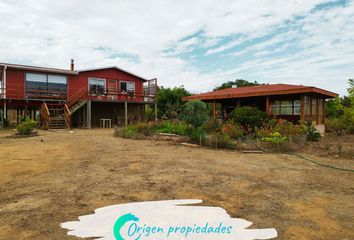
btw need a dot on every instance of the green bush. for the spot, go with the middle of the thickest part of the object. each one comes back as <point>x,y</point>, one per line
<point>127,132</point>
<point>275,139</point>
<point>213,125</point>
<point>217,140</point>
<point>234,131</point>
<point>196,134</point>
<point>348,119</point>
<point>248,117</point>
<point>195,113</point>
<point>175,127</point>
<point>26,126</point>
<point>311,132</point>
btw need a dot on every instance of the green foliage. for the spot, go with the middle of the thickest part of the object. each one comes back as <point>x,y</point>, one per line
<point>213,125</point>
<point>248,117</point>
<point>234,131</point>
<point>311,132</point>
<point>195,113</point>
<point>169,101</point>
<point>275,137</point>
<point>175,127</point>
<point>196,134</point>
<point>238,83</point>
<point>26,126</point>
<point>336,126</point>
<point>348,119</point>
<point>219,141</point>
<point>334,108</point>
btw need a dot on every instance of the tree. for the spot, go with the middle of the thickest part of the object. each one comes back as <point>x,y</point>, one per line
<point>169,101</point>
<point>248,117</point>
<point>196,113</point>
<point>238,83</point>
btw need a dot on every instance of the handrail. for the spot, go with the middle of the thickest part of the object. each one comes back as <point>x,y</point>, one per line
<point>45,115</point>
<point>67,115</point>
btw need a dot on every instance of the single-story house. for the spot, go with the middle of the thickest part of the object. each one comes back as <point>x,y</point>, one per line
<point>291,102</point>
<point>64,98</point>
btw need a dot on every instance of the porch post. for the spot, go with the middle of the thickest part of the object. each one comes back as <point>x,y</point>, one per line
<point>155,110</point>
<point>317,111</point>
<point>125,113</point>
<point>214,109</point>
<point>267,105</point>
<point>88,114</point>
<point>302,116</point>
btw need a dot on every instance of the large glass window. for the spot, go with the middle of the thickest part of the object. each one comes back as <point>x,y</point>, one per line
<point>97,86</point>
<point>286,108</point>
<point>43,85</point>
<point>297,107</point>
<point>126,87</point>
<point>275,108</point>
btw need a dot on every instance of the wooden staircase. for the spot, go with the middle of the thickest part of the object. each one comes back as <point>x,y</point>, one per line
<point>58,115</point>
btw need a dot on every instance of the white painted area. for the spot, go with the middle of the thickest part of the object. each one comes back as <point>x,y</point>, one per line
<point>164,214</point>
<point>320,128</point>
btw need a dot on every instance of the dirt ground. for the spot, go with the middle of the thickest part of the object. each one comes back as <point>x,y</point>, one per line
<point>58,176</point>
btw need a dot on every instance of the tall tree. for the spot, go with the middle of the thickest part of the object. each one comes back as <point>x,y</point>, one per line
<point>169,101</point>
<point>238,83</point>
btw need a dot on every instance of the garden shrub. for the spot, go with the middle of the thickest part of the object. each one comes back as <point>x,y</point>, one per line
<point>311,132</point>
<point>275,139</point>
<point>219,141</point>
<point>196,135</point>
<point>195,113</point>
<point>175,127</point>
<point>248,117</point>
<point>26,126</point>
<point>130,131</point>
<point>234,131</point>
<point>213,125</point>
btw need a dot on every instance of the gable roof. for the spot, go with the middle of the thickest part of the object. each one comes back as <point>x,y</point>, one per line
<point>38,69</point>
<point>112,67</point>
<point>261,90</point>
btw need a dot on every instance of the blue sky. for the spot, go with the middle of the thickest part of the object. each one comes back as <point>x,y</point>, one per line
<point>198,44</point>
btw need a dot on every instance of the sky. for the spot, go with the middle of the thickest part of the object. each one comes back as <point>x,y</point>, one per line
<point>197,44</point>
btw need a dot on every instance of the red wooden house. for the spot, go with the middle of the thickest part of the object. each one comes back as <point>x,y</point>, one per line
<point>62,98</point>
<point>291,102</point>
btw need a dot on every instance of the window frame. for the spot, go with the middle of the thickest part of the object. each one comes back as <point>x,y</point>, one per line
<point>97,80</point>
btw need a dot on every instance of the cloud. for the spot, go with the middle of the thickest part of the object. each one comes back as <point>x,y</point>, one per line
<point>288,41</point>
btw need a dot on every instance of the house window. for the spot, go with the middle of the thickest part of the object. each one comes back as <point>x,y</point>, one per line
<point>126,87</point>
<point>286,108</point>
<point>97,86</point>
<point>45,85</point>
<point>57,84</point>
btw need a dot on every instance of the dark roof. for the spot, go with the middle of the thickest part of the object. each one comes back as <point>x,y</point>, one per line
<point>261,90</point>
<point>113,67</point>
<point>39,69</point>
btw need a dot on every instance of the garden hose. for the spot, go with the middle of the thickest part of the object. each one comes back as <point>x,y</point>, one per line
<point>312,161</point>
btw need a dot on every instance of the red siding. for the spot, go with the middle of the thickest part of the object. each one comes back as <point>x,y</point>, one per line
<point>81,81</point>
<point>15,84</point>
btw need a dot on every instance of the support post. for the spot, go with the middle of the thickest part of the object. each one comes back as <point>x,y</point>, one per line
<point>88,114</point>
<point>302,116</point>
<point>5,109</point>
<point>155,110</point>
<point>267,105</point>
<point>214,109</point>
<point>125,113</point>
<point>317,113</point>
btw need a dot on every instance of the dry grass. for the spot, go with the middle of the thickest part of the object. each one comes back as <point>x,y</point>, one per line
<point>44,183</point>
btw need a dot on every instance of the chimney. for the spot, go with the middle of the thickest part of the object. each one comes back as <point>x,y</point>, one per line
<point>72,65</point>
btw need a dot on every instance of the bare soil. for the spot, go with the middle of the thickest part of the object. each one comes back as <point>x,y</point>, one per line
<point>58,176</point>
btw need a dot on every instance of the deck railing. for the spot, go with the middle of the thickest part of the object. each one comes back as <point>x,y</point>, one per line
<point>33,92</point>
